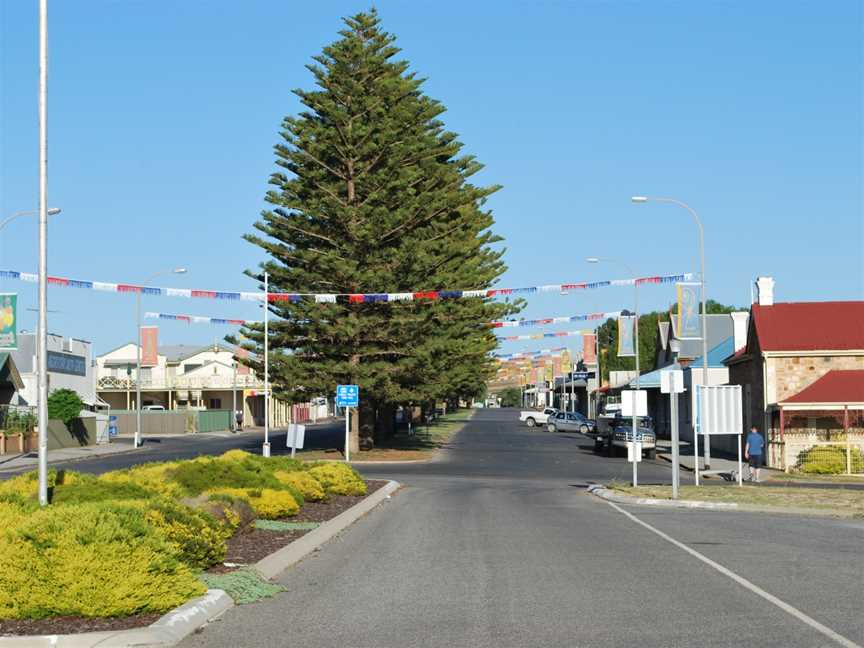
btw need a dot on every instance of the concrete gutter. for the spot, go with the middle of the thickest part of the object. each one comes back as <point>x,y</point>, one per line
<point>167,631</point>
<point>180,622</point>
<point>619,498</point>
<point>280,560</point>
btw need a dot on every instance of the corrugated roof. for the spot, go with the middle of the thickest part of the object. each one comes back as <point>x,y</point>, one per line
<point>651,380</point>
<point>717,355</point>
<point>810,326</point>
<point>836,386</point>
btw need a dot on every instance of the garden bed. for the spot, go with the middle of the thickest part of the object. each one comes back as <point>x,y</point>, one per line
<point>120,550</point>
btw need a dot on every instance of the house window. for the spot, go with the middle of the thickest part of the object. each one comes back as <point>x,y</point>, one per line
<point>146,374</point>
<point>215,403</point>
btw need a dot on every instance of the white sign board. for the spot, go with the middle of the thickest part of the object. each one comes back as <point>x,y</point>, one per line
<point>634,399</point>
<point>719,409</point>
<point>672,381</point>
<point>634,451</point>
<point>298,432</point>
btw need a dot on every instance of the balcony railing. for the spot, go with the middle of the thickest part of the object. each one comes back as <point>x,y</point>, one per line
<point>242,381</point>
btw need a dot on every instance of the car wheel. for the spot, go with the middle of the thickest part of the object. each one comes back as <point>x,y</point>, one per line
<point>610,449</point>
<point>530,422</point>
<point>551,427</point>
<point>652,454</point>
<point>584,429</point>
<point>598,446</point>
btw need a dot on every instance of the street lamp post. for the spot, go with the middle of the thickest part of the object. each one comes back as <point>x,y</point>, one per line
<point>42,339</point>
<point>674,201</point>
<point>138,351</point>
<point>636,343</point>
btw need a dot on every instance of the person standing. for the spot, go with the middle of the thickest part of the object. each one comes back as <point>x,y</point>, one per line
<point>753,452</point>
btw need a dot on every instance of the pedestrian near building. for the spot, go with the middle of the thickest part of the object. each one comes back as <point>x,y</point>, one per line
<point>238,417</point>
<point>753,452</point>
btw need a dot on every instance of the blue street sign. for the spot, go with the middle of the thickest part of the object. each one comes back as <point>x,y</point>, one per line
<point>347,396</point>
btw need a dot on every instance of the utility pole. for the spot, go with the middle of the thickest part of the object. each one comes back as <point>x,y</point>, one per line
<point>265,450</point>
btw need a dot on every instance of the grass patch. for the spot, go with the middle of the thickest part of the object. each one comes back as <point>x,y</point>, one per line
<point>243,585</point>
<point>419,446</point>
<point>278,525</point>
<point>828,479</point>
<point>847,501</point>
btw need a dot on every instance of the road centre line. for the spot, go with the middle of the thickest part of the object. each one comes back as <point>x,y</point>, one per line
<point>795,612</point>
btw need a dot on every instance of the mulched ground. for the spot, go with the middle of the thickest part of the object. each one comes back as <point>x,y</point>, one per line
<point>243,549</point>
<point>73,624</point>
<point>253,545</point>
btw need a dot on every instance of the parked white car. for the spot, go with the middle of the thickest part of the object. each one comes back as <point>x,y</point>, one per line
<point>537,417</point>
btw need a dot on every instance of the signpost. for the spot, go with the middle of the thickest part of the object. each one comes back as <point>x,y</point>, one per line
<point>296,436</point>
<point>672,383</point>
<point>634,403</point>
<point>347,396</point>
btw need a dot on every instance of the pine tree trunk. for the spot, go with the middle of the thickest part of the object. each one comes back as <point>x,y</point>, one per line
<point>386,422</point>
<point>367,425</point>
<point>354,429</point>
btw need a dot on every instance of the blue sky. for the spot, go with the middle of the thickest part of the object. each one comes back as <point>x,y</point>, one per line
<point>162,118</point>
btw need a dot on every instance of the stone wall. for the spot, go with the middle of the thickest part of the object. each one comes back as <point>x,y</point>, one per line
<point>789,375</point>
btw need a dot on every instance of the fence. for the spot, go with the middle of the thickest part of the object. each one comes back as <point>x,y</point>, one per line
<point>839,457</point>
<point>16,419</point>
<point>214,420</point>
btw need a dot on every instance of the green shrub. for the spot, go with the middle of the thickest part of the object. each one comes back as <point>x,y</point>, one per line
<point>338,478</point>
<point>828,460</point>
<point>78,489</point>
<point>206,473</point>
<point>64,404</point>
<point>89,560</point>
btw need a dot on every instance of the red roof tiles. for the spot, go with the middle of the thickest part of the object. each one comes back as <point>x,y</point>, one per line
<point>834,387</point>
<point>810,326</point>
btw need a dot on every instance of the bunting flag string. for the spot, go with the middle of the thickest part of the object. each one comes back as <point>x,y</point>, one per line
<point>556,320</point>
<point>351,298</point>
<point>197,319</point>
<point>540,336</point>
<point>529,354</point>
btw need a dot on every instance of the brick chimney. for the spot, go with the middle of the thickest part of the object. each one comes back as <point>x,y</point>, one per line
<point>740,319</point>
<point>765,291</point>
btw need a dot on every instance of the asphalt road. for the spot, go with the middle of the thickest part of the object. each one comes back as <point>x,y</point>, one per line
<point>497,544</point>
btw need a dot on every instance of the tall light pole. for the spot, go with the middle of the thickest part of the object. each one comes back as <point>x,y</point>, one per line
<point>265,449</point>
<point>138,350</point>
<point>52,211</point>
<point>42,339</point>
<point>675,201</point>
<point>636,342</point>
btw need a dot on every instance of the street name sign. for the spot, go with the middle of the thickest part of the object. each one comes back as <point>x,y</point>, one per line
<point>347,396</point>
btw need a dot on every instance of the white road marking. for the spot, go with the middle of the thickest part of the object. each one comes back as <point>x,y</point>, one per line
<point>795,612</point>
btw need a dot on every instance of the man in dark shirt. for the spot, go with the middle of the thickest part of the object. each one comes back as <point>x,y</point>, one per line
<point>753,452</point>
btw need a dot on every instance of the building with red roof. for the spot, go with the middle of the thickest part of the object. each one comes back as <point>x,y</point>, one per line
<point>802,373</point>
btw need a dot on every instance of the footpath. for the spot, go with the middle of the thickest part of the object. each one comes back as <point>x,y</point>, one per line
<point>118,445</point>
<point>770,477</point>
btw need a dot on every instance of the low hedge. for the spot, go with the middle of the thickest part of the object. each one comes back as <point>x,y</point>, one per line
<point>338,478</point>
<point>828,460</point>
<point>93,559</point>
<point>132,541</point>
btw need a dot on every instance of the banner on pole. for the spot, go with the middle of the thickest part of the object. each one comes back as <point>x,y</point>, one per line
<point>626,329</point>
<point>149,346</point>
<point>687,319</point>
<point>589,348</point>
<point>8,321</point>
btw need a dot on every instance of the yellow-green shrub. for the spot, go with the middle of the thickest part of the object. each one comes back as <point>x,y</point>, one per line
<point>155,477</point>
<point>304,482</point>
<point>338,479</point>
<point>95,559</point>
<point>198,538</point>
<point>268,503</point>
<point>235,455</point>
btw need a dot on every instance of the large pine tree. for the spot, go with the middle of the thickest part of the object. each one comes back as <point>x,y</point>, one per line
<point>373,196</point>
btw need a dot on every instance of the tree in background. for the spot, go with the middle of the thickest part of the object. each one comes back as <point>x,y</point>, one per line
<point>65,405</point>
<point>372,195</point>
<point>511,397</point>
<point>608,339</point>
